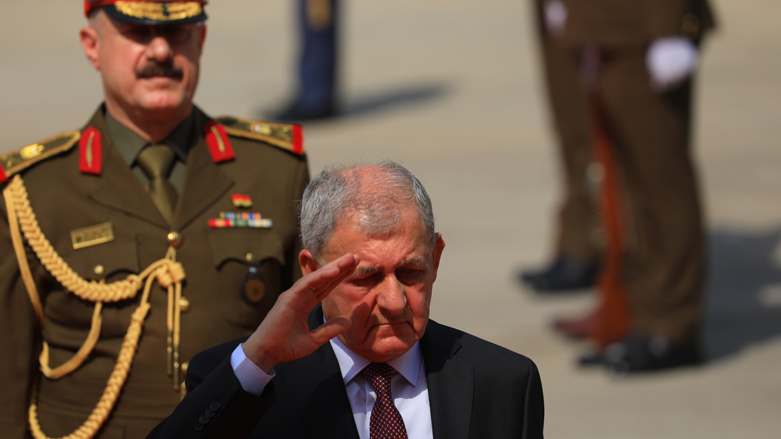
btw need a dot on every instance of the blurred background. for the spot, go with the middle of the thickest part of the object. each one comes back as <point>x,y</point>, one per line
<point>453,90</point>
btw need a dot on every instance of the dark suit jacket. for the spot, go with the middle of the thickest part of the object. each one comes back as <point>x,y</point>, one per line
<point>476,390</point>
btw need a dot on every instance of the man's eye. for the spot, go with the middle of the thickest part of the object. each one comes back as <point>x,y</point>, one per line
<point>177,34</point>
<point>409,274</point>
<point>137,34</point>
<point>365,281</point>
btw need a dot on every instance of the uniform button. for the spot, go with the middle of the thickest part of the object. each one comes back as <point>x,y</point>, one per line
<point>215,405</point>
<point>250,257</point>
<point>174,239</point>
<point>184,304</point>
<point>99,269</point>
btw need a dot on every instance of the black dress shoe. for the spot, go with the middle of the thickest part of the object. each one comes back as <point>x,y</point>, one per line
<point>596,358</point>
<point>638,353</point>
<point>296,111</point>
<point>561,275</point>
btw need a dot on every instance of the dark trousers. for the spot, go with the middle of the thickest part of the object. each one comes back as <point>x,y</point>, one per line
<point>317,68</point>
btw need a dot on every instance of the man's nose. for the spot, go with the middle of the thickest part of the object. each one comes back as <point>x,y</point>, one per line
<point>159,49</point>
<point>392,298</point>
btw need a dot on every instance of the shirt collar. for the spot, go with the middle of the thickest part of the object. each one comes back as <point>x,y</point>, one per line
<point>129,143</point>
<point>351,364</point>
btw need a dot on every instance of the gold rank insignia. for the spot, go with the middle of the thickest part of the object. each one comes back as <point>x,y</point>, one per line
<point>289,137</point>
<point>21,159</point>
<point>160,11</point>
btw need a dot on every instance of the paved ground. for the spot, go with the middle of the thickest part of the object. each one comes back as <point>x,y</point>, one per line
<point>451,89</point>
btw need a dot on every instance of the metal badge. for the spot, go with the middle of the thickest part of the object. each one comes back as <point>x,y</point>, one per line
<point>93,235</point>
<point>254,288</point>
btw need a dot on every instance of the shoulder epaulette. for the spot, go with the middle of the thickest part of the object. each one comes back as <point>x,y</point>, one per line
<point>286,136</point>
<point>16,161</point>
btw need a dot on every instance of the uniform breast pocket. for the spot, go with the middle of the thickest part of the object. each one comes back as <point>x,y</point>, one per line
<point>252,262</point>
<point>104,261</point>
<point>112,261</point>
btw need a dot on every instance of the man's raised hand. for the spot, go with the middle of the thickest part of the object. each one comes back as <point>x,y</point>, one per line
<point>284,334</point>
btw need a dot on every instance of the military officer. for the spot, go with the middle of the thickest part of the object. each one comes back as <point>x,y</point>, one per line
<point>639,60</point>
<point>576,260</point>
<point>150,234</point>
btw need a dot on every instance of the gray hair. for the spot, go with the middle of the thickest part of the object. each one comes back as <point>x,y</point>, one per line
<point>374,193</point>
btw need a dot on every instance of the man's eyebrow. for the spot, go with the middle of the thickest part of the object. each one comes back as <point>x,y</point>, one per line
<point>417,260</point>
<point>366,270</point>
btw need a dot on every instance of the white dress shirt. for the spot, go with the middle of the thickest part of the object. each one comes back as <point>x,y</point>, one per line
<point>408,386</point>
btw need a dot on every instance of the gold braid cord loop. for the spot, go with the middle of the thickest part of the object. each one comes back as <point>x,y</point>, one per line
<point>167,272</point>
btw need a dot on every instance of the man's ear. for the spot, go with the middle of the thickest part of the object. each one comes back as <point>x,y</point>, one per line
<point>307,261</point>
<point>439,246</point>
<point>90,42</point>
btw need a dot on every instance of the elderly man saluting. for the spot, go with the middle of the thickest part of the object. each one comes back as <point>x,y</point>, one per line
<point>367,363</point>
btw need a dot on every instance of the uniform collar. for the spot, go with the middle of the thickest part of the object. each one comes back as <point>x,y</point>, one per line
<point>129,144</point>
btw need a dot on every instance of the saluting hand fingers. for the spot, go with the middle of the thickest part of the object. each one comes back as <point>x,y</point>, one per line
<point>316,285</point>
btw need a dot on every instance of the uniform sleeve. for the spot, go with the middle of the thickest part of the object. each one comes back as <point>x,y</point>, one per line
<point>20,340</point>
<point>687,18</point>
<point>301,177</point>
<point>666,17</point>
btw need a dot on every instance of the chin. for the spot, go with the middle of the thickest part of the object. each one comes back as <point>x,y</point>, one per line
<point>389,351</point>
<point>393,346</point>
<point>164,102</point>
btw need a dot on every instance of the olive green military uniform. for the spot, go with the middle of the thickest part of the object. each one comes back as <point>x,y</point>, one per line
<point>650,138</point>
<point>217,261</point>
<point>569,109</point>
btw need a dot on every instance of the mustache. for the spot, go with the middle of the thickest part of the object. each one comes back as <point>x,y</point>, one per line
<point>153,69</point>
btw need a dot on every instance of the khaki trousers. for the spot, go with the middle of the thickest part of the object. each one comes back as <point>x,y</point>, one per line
<point>569,108</point>
<point>663,226</point>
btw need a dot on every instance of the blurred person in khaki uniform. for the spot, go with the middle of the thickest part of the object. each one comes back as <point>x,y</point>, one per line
<point>576,256</point>
<point>638,60</point>
<point>150,234</point>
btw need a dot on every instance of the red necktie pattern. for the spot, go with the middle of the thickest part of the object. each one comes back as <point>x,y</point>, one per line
<point>386,421</point>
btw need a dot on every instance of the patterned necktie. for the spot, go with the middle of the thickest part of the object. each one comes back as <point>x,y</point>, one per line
<point>157,161</point>
<point>386,421</point>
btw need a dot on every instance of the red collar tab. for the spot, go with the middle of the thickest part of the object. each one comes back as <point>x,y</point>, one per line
<point>219,145</point>
<point>3,177</point>
<point>90,152</point>
<point>298,139</point>
<point>88,7</point>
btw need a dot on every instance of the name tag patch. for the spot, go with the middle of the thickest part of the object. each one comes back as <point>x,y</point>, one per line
<point>93,235</point>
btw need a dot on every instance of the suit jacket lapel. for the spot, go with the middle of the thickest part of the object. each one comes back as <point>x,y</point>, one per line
<point>117,187</point>
<point>450,385</point>
<point>204,182</point>
<point>318,391</point>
